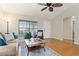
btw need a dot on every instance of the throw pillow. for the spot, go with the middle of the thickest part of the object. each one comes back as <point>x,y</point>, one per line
<point>2,36</point>
<point>2,42</point>
<point>13,35</point>
<point>8,37</point>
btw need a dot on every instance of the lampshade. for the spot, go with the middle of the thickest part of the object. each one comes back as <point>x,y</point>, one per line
<point>7,19</point>
<point>73,18</point>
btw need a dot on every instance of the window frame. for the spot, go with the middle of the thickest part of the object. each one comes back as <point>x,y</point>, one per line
<point>27,29</point>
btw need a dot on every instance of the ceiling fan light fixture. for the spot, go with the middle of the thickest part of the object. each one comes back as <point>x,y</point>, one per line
<point>50,9</point>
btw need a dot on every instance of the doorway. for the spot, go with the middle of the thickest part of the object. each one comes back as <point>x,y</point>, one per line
<point>68,29</point>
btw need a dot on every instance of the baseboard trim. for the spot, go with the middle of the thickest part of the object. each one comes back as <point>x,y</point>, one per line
<point>53,38</point>
<point>57,39</point>
<point>76,43</point>
<point>67,39</point>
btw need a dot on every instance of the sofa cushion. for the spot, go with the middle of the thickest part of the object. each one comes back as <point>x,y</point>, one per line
<point>2,42</point>
<point>8,50</point>
<point>8,37</point>
<point>2,35</point>
<point>13,35</point>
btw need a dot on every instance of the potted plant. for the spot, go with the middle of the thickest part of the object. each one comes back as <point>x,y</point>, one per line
<point>28,35</point>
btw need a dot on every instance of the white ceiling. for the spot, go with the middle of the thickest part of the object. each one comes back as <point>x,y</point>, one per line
<point>33,9</point>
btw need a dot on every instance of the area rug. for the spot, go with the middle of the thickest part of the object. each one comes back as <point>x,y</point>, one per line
<point>40,52</point>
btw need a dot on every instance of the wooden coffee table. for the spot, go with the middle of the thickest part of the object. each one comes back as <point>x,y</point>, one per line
<point>34,45</point>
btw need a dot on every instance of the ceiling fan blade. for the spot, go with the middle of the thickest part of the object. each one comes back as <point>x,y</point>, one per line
<point>44,8</point>
<point>57,4</point>
<point>49,4</point>
<point>43,4</point>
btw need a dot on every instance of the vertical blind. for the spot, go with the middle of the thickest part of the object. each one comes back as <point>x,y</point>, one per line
<point>27,26</point>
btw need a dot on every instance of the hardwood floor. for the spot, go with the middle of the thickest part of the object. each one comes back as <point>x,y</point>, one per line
<point>63,47</point>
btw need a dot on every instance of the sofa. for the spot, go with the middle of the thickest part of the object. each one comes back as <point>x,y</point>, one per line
<point>11,48</point>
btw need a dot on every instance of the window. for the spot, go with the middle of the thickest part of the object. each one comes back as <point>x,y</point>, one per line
<point>27,26</point>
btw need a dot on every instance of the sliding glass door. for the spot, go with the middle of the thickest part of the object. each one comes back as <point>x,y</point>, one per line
<point>27,26</point>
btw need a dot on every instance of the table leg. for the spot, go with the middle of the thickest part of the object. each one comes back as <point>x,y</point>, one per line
<point>44,47</point>
<point>27,49</point>
<point>27,53</point>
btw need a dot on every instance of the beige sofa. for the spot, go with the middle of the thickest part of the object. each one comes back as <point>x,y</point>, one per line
<point>10,49</point>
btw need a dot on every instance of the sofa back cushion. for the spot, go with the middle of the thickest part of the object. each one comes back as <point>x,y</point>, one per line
<point>2,42</point>
<point>13,35</point>
<point>8,37</point>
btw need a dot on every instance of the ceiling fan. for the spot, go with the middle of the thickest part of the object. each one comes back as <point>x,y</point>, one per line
<point>50,6</point>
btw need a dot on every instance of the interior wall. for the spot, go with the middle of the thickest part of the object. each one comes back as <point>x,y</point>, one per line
<point>76,36</point>
<point>68,28</point>
<point>13,23</point>
<point>47,29</point>
<point>57,28</point>
<point>2,26</point>
<point>72,11</point>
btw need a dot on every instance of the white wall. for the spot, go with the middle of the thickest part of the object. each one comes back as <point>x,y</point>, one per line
<point>47,29</point>
<point>13,23</point>
<point>2,26</point>
<point>76,31</point>
<point>57,28</point>
<point>68,28</point>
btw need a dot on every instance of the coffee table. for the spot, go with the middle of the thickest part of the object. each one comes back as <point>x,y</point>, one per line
<point>33,45</point>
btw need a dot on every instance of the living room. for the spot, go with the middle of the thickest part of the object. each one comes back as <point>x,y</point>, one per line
<point>14,12</point>
<point>53,24</point>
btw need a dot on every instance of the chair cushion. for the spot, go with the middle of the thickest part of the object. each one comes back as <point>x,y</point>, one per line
<point>39,33</point>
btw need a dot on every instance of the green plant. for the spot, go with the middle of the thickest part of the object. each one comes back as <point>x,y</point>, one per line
<point>28,35</point>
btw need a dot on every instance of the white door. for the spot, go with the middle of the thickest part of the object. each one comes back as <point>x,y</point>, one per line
<point>47,29</point>
<point>68,28</point>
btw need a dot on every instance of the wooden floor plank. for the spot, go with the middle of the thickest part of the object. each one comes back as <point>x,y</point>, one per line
<point>63,47</point>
